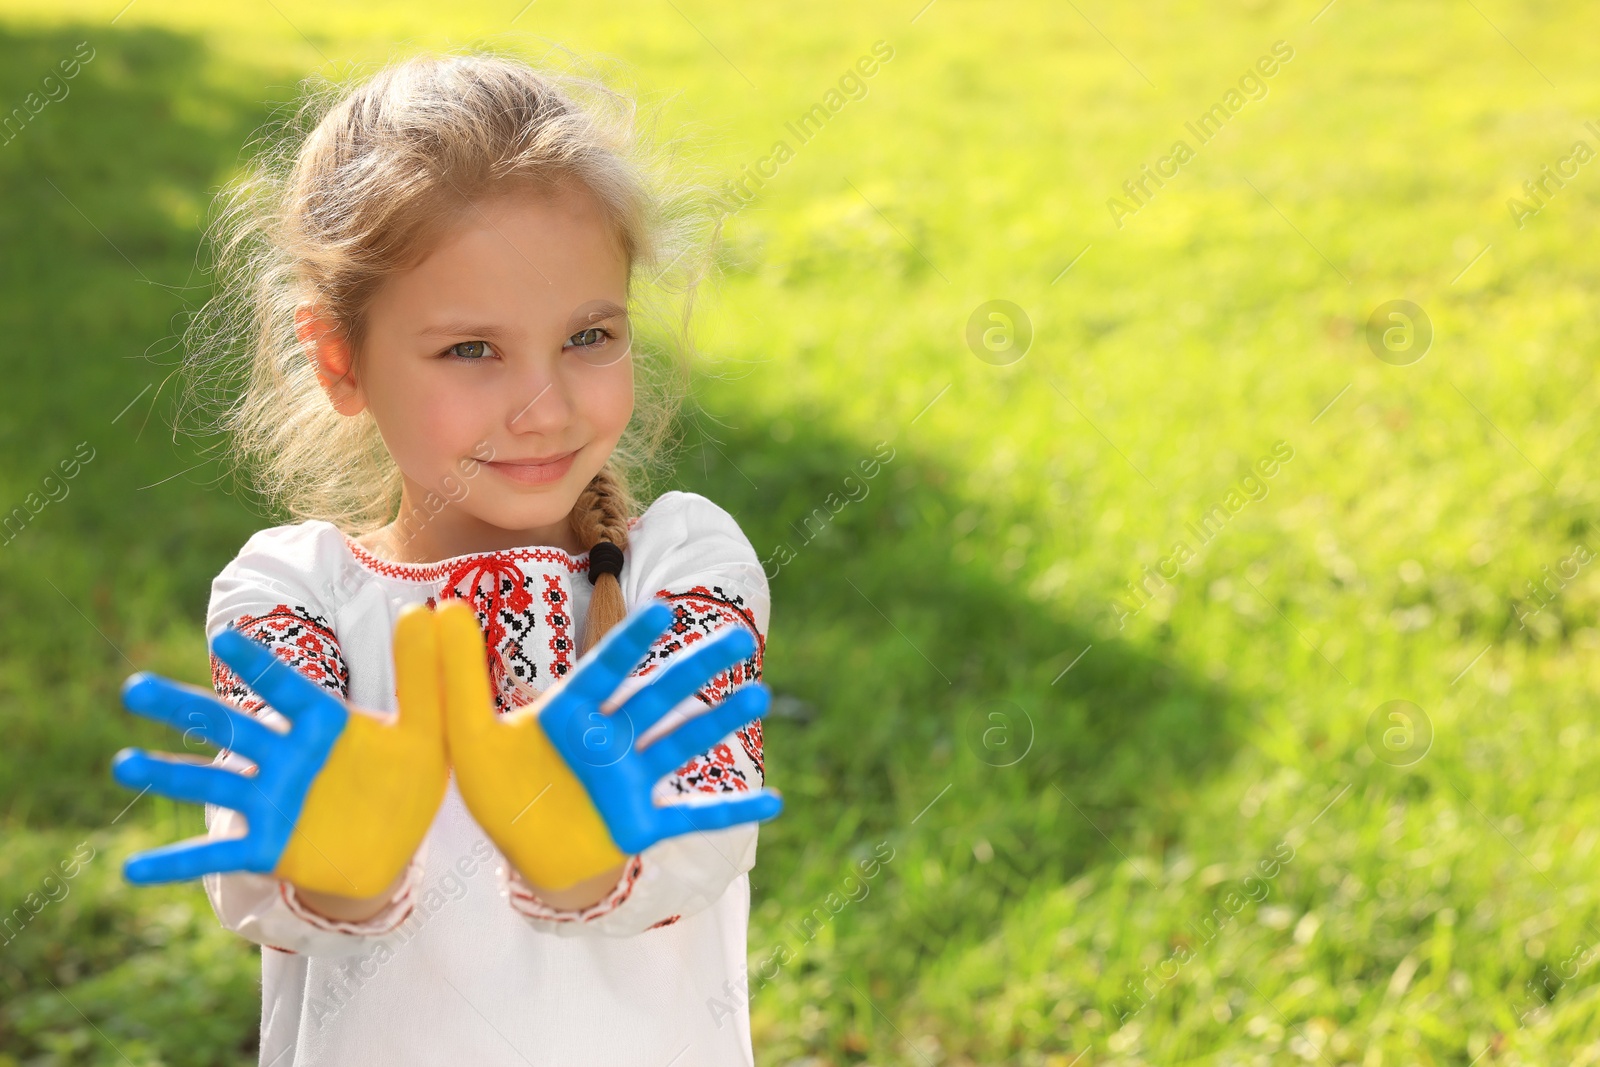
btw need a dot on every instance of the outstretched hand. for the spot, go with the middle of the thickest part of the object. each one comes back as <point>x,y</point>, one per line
<point>562,786</point>
<point>338,804</point>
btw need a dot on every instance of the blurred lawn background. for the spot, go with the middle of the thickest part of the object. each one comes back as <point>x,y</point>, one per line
<point>1443,912</point>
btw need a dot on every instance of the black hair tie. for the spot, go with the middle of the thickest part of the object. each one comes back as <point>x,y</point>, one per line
<point>604,558</point>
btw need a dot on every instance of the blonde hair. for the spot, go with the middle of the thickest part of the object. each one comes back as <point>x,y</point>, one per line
<point>362,187</point>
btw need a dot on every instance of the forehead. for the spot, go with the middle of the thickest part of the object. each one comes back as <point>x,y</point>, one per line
<point>523,258</point>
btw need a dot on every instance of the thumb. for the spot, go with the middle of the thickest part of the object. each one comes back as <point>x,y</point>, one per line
<point>463,663</point>
<point>416,667</point>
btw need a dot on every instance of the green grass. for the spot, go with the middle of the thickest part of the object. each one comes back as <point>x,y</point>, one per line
<point>1227,720</point>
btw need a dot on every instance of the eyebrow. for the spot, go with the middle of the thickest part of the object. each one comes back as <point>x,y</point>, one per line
<point>457,329</point>
<point>600,312</point>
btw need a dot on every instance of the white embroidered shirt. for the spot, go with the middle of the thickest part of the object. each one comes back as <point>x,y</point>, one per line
<point>467,965</point>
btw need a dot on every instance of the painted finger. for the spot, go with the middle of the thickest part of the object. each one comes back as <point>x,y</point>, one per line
<point>669,752</point>
<point>280,685</point>
<point>196,783</point>
<point>192,859</point>
<point>198,715</point>
<point>418,679</point>
<point>687,674</point>
<point>674,820</point>
<point>468,704</point>
<point>598,676</point>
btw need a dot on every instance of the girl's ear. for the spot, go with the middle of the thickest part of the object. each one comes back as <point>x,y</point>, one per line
<point>331,354</point>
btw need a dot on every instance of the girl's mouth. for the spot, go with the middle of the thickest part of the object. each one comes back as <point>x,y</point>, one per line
<point>535,472</point>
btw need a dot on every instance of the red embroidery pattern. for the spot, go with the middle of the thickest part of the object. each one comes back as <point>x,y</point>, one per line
<point>399,910</point>
<point>295,635</point>
<point>561,644</point>
<point>697,614</point>
<point>524,901</point>
<point>714,772</point>
<point>502,599</point>
<point>750,741</point>
<point>432,572</point>
<point>668,921</point>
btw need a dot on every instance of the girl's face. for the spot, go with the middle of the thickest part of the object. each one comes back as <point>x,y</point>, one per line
<point>499,373</point>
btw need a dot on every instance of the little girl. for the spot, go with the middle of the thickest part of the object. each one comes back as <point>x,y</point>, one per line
<point>434,286</point>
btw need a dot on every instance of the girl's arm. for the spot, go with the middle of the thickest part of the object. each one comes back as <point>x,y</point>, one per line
<point>707,571</point>
<point>350,909</point>
<point>276,914</point>
<point>577,897</point>
<point>273,593</point>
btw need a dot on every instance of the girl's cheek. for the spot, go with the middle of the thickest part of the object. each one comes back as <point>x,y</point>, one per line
<point>423,429</point>
<point>614,398</point>
<point>448,422</point>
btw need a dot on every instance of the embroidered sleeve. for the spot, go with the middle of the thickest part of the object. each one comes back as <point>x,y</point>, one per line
<point>267,593</point>
<point>297,635</point>
<point>735,764</point>
<point>707,572</point>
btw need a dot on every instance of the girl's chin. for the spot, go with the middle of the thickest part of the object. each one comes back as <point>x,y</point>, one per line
<point>516,525</point>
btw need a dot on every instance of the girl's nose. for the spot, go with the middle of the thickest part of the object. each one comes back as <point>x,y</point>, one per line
<point>541,405</point>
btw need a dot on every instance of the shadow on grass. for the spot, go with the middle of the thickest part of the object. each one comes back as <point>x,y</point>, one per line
<point>904,646</point>
<point>108,174</point>
<point>107,571</point>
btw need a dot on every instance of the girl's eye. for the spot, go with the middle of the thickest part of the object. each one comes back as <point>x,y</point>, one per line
<point>469,350</point>
<point>600,330</point>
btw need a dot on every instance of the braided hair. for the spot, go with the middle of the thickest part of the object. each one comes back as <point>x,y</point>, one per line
<point>601,515</point>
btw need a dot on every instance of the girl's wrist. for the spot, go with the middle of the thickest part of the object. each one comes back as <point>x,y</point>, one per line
<point>348,909</point>
<point>579,895</point>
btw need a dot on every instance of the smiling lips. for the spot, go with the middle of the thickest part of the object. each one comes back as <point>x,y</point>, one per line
<point>535,471</point>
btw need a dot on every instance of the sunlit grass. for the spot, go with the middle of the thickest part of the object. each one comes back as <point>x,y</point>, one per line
<point>1228,720</point>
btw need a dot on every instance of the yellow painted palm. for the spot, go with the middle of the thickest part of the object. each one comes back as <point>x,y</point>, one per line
<point>560,786</point>
<point>338,803</point>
